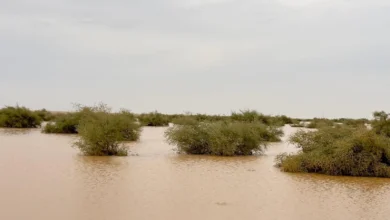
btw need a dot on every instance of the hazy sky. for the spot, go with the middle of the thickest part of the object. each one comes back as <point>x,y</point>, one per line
<point>303,58</point>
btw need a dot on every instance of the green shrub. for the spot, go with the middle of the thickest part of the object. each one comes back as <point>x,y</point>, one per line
<point>209,118</point>
<point>19,117</point>
<point>64,124</point>
<point>185,120</point>
<point>281,120</point>
<point>221,138</point>
<point>102,132</point>
<point>319,123</point>
<point>194,118</point>
<point>339,151</point>
<point>250,116</point>
<point>154,119</point>
<point>352,122</point>
<point>381,123</point>
<point>254,116</point>
<point>45,115</point>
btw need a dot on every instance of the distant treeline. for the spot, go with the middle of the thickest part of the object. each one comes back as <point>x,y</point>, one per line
<point>66,122</point>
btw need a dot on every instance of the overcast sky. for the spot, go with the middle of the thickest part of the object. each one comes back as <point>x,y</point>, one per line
<point>303,58</point>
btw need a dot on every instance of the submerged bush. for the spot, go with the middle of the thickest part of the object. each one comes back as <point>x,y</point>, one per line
<point>102,132</point>
<point>154,119</point>
<point>19,117</point>
<point>45,115</point>
<point>64,124</point>
<point>221,138</point>
<point>339,151</point>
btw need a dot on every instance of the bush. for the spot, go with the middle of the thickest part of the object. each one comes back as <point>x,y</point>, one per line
<point>352,122</point>
<point>209,118</point>
<point>320,123</point>
<point>250,116</point>
<point>185,120</point>
<point>339,151</point>
<point>153,119</point>
<point>221,138</point>
<point>45,115</point>
<point>19,117</point>
<point>381,123</point>
<point>64,124</point>
<point>101,132</point>
<point>254,116</point>
<point>195,118</point>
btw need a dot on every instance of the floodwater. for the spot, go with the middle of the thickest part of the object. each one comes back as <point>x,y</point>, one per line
<point>43,178</point>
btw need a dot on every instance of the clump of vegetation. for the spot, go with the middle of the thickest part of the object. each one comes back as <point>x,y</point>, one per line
<point>282,120</point>
<point>185,120</point>
<point>209,118</point>
<point>320,123</point>
<point>195,118</point>
<point>19,117</point>
<point>222,138</point>
<point>352,122</point>
<point>340,150</point>
<point>102,132</point>
<point>64,124</point>
<point>381,123</point>
<point>45,115</point>
<point>250,116</point>
<point>254,116</point>
<point>154,119</point>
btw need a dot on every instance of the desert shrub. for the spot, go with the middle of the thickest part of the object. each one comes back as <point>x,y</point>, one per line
<point>185,120</point>
<point>352,122</point>
<point>339,151</point>
<point>19,117</point>
<point>195,118</point>
<point>64,124</point>
<point>130,129</point>
<point>210,118</point>
<point>154,119</point>
<point>381,123</point>
<point>250,116</point>
<point>45,115</point>
<point>282,120</point>
<point>319,123</point>
<point>102,132</point>
<point>221,138</point>
<point>254,116</point>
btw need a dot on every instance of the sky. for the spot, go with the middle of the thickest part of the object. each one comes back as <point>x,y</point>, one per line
<point>302,58</point>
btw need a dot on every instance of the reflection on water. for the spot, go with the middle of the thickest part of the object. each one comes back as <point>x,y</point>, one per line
<point>42,177</point>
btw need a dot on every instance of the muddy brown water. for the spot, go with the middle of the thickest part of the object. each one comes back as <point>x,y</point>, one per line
<point>43,178</point>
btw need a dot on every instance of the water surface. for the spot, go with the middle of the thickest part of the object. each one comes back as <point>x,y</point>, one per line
<point>43,178</point>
